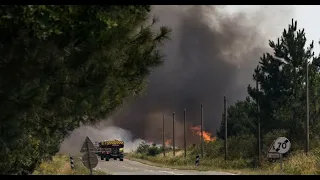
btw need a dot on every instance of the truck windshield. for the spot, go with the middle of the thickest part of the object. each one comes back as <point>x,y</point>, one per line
<point>115,150</point>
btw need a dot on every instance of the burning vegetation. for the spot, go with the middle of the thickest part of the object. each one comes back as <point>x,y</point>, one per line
<point>206,135</point>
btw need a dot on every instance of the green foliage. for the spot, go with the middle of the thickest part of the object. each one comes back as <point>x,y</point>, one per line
<point>242,146</point>
<point>62,66</point>
<point>148,150</point>
<point>282,77</point>
<point>212,149</point>
<point>240,119</point>
<point>143,148</point>
<point>154,150</point>
<point>281,97</point>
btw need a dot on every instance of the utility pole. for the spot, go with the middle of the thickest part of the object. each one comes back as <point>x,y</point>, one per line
<point>163,136</point>
<point>184,132</point>
<point>173,142</point>
<point>258,118</point>
<point>225,128</point>
<point>307,124</point>
<point>201,126</point>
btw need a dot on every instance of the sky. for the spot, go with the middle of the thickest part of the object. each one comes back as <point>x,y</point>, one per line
<point>306,15</point>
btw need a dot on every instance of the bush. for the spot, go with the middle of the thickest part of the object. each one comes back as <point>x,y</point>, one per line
<point>154,150</point>
<point>148,150</point>
<point>143,148</point>
<point>242,146</point>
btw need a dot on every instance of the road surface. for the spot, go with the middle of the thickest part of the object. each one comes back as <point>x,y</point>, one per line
<point>127,167</point>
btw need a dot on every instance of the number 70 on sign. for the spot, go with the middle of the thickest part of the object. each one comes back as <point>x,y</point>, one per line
<point>282,145</point>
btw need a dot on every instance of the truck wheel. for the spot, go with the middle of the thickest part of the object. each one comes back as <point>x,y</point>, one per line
<point>114,158</point>
<point>121,159</point>
<point>107,159</point>
<point>102,158</point>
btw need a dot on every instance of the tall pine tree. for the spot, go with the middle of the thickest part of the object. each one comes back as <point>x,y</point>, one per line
<point>282,79</point>
<point>282,93</point>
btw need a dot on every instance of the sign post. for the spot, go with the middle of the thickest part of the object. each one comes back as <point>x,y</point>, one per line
<point>281,163</point>
<point>282,145</point>
<point>89,159</point>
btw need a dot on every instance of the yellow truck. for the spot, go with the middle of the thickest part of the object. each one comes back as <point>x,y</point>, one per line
<point>111,150</point>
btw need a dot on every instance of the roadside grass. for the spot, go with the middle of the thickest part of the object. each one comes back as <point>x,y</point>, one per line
<point>296,163</point>
<point>300,164</point>
<point>60,165</point>
<point>179,162</point>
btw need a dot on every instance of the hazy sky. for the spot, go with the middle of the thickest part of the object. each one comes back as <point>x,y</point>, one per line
<point>306,15</point>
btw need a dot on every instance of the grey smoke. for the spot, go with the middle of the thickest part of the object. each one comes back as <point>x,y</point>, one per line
<point>73,143</point>
<point>212,53</point>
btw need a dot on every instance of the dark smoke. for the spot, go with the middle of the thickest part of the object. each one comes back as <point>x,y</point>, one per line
<point>212,53</point>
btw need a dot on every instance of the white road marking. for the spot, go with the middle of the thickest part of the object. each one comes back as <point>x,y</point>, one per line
<point>170,172</point>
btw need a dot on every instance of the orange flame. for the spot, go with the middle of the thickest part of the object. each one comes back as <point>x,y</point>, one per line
<point>168,142</point>
<point>206,135</point>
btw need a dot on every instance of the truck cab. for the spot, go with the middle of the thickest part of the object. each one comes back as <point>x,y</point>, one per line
<point>105,151</point>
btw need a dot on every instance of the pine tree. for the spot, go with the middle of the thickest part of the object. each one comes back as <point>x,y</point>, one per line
<point>282,77</point>
<point>240,119</point>
<point>282,93</point>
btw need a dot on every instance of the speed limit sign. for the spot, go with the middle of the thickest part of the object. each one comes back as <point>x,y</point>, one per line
<point>282,145</point>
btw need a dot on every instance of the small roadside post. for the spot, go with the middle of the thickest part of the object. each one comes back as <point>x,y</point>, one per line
<point>71,162</point>
<point>197,160</point>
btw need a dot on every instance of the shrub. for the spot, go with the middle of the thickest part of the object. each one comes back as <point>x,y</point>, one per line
<point>154,150</point>
<point>143,148</point>
<point>148,150</point>
<point>242,146</point>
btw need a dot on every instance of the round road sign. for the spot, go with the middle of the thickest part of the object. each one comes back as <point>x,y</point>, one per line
<point>282,145</point>
<point>90,157</point>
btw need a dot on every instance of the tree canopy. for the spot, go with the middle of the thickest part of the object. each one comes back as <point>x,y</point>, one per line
<point>282,91</point>
<point>61,66</point>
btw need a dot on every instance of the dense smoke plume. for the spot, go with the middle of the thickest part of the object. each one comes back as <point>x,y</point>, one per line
<point>212,53</point>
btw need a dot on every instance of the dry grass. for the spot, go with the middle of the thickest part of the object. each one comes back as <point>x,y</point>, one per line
<point>299,164</point>
<point>296,164</point>
<point>60,165</point>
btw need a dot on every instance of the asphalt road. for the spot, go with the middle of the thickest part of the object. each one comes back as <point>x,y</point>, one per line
<point>127,167</point>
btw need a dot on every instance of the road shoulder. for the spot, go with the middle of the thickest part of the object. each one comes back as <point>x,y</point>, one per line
<point>229,172</point>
